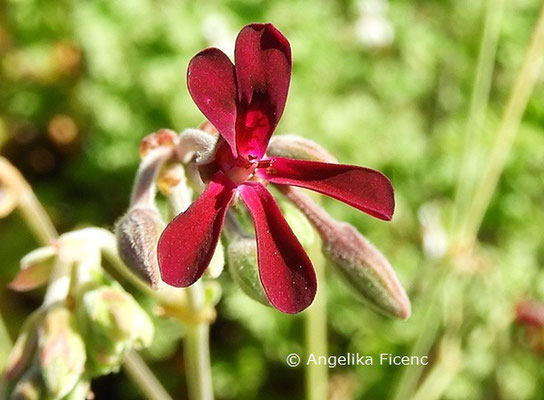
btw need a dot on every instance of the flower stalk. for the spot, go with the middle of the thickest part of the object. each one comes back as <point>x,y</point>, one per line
<point>315,331</point>
<point>196,340</point>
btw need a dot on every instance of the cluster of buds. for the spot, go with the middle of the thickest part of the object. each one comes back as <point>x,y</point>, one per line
<point>360,265</point>
<point>233,160</point>
<point>85,327</point>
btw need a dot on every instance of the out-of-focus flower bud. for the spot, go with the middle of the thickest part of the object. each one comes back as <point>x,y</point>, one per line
<point>300,225</point>
<point>362,266</point>
<point>137,234</point>
<point>80,391</point>
<point>61,352</point>
<point>113,323</point>
<point>531,315</point>
<point>35,269</point>
<point>24,348</point>
<point>161,138</point>
<point>242,262</point>
<point>30,386</point>
<point>297,147</point>
<point>217,263</point>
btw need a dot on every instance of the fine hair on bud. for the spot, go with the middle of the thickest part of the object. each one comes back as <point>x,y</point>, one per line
<point>137,234</point>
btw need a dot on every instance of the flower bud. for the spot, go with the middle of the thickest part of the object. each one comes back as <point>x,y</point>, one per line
<point>217,263</point>
<point>161,138</point>
<point>113,323</point>
<point>366,270</point>
<point>362,266</point>
<point>242,261</point>
<point>300,225</point>
<point>137,235</point>
<point>35,269</point>
<point>297,147</point>
<point>24,348</point>
<point>61,352</point>
<point>30,386</point>
<point>80,391</point>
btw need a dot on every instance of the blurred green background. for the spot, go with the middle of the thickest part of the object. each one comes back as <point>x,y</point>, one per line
<point>381,84</point>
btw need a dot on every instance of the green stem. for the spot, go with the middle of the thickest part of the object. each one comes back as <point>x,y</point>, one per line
<point>315,332</point>
<point>197,353</point>
<point>515,108</point>
<point>196,341</point>
<point>5,345</point>
<point>478,104</point>
<point>138,371</point>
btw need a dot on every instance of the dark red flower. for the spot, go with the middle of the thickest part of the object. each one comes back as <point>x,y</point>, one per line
<point>245,101</point>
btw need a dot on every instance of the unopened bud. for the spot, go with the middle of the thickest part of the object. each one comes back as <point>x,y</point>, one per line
<point>217,263</point>
<point>243,266</point>
<point>30,386</point>
<point>35,269</point>
<point>113,323</point>
<point>297,147</point>
<point>81,390</point>
<point>300,225</point>
<point>61,352</point>
<point>161,138</point>
<point>362,266</point>
<point>137,235</point>
<point>198,144</point>
<point>24,348</point>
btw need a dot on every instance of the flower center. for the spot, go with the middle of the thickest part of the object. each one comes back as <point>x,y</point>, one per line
<point>238,169</point>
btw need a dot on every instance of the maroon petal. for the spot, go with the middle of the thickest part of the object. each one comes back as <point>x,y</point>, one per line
<point>211,82</point>
<point>263,71</point>
<point>363,188</point>
<point>285,270</point>
<point>187,244</point>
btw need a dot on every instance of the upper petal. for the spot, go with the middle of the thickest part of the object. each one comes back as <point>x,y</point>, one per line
<point>187,244</point>
<point>211,82</point>
<point>363,188</point>
<point>285,270</point>
<point>263,70</point>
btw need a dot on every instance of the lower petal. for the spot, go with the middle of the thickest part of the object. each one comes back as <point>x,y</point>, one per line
<point>285,270</point>
<point>187,244</point>
<point>363,188</point>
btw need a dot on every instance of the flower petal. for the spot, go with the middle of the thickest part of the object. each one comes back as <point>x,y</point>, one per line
<point>363,188</point>
<point>263,71</point>
<point>187,244</point>
<point>211,82</point>
<point>285,270</point>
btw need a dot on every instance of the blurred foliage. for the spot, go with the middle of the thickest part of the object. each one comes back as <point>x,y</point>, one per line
<point>82,82</point>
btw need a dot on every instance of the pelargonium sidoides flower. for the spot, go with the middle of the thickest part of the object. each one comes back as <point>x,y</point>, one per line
<point>245,101</point>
